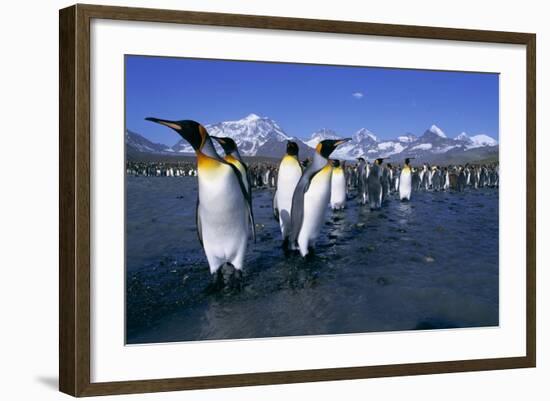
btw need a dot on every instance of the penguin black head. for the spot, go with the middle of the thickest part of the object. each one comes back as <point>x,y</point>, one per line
<point>408,160</point>
<point>190,130</point>
<point>379,160</point>
<point>327,146</point>
<point>228,144</point>
<point>360,159</point>
<point>335,163</point>
<point>292,148</point>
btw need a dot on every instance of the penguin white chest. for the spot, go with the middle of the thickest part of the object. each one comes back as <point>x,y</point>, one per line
<point>316,200</point>
<point>222,216</point>
<point>338,189</point>
<point>405,184</point>
<point>289,175</point>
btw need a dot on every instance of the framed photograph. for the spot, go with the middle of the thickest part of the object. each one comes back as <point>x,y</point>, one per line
<point>250,200</point>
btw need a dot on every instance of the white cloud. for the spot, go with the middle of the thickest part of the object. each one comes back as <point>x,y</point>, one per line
<point>357,95</point>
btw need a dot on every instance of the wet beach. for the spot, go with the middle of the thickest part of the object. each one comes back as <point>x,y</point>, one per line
<point>429,263</point>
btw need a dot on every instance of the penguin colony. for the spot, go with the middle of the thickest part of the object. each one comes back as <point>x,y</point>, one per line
<point>224,214</point>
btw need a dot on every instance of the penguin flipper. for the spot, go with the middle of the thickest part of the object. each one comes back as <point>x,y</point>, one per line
<point>198,222</point>
<point>297,210</point>
<point>247,194</point>
<point>248,179</point>
<point>275,207</point>
<point>251,217</point>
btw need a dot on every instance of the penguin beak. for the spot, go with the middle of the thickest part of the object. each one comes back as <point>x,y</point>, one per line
<point>341,141</point>
<point>171,124</point>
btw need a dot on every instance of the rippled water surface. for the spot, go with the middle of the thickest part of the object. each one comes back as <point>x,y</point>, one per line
<point>427,264</point>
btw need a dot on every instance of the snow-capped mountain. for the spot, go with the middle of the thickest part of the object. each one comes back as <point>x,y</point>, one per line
<point>321,135</point>
<point>462,137</point>
<point>408,138</point>
<point>434,129</point>
<point>262,136</point>
<point>476,141</point>
<point>254,136</point>
<point>433,143</point>
<point>364,136</point>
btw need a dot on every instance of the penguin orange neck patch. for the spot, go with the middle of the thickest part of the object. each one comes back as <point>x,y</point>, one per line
<point>290,159</point>
<point>205,163</point>
<point>231,159</point>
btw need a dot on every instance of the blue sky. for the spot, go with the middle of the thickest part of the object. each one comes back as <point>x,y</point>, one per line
<point>305,98</point>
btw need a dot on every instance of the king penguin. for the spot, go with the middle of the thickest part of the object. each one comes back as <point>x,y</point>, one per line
<point>385,181</point>
<point>374,185</point>
<point>223,213</point>
<point>337,186</point>
<point>311,197</point>
<point>233,156</point>
<point>290,171</point>
<point>362,180</point>
<point>405,181</point>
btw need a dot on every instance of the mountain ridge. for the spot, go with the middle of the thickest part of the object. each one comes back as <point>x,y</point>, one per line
<point>263,137</point>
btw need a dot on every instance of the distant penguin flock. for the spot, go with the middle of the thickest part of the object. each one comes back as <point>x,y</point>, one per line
<point>303,191</point>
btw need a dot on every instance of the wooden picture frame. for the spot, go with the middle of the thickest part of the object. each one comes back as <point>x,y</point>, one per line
<point>74,199</point>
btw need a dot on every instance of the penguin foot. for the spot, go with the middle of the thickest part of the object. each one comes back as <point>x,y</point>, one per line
<point>217,282</point>
<point>288,250</point>
<point>236,281</point>
<point>285,245</point>
<point>310,254</point>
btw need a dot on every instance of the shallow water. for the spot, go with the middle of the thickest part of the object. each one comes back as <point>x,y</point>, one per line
<point>427,264</point>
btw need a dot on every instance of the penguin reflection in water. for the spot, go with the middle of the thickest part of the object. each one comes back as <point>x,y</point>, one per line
<point>290,171</point>
<point>311,198</point>
<point>224,213</point>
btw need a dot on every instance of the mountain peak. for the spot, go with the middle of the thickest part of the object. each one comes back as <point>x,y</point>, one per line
<point>252,117</point>
<point>482,140</point>
<point>362,134</point>
<point>320,135</point>
<point>462,137</point>
<point>326,133</point>
<point>407,138</point>
<point>438,131</point>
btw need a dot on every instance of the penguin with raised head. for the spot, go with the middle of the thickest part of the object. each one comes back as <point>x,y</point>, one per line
<point>290,171</point>
<point>374,184</point>
<point>405,181</point>
<point>311,197</point>
<point>337,186</point>
<point>223,213</point>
